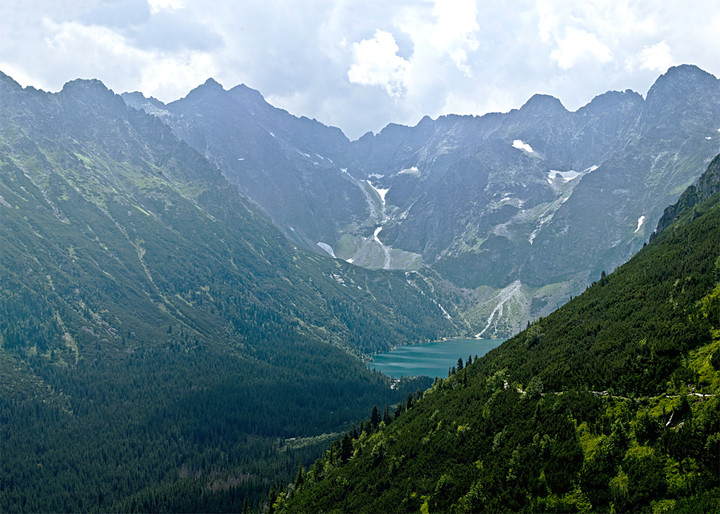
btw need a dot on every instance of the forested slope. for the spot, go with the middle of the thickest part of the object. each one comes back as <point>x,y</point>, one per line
<point>610,403</point>
<point>158,335</point>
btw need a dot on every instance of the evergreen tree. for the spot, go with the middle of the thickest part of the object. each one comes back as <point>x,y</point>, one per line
<point>375,417</point>
<point>386,414</point>
<point>300,477</point>
<point>346,448</point>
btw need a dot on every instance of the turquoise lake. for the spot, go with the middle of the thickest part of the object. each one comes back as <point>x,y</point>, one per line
<point>431,359</point>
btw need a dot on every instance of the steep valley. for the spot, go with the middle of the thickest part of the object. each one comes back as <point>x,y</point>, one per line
<point>540,195</point>
<point>158,334</point>
<point>189,293</point>
<point>609,404</point>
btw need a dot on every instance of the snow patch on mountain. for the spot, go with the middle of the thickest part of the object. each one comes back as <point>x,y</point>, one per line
<point>327,248</point>
<point>640,222</point>
<point>567,176</point>
<point>409,171</point>
<point>520,145</point>
<point>380,191</point>
<point>375,234</point>
<point>385,249</point>
<point>338,279</point>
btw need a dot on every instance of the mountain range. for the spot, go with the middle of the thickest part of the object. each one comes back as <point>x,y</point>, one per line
<point>518,210</point>
<point>189,292</point>
<point>609,404</point>
<point>155,327</point>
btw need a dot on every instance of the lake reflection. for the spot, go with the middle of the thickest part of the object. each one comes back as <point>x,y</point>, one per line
<point>431,359</point>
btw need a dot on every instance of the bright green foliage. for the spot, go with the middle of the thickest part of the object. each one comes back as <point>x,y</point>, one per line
<point>611,404</point>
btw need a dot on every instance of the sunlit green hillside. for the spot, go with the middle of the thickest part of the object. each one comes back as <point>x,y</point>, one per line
<point>610,404</point>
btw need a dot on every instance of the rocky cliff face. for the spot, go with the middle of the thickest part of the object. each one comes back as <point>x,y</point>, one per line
<point>523,209</point>
<point>289,166</point>
<point>707,185</point>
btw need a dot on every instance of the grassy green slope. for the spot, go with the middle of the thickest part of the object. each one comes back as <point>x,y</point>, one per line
<point>609,403</point>
<point>156,332</point>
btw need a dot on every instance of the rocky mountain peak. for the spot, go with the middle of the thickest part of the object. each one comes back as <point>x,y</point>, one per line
<point>247,93</point>
<point>7,83</point>
<point>613,98</point>
<point>92,95</point>
<point>485,201</point>
<point>680,81</point>
<point>211,88</point>
<point>210,85</point>
<point>686,72</point>
<point>543,104</point>
<point>92,86</point>
<point>150,105</point>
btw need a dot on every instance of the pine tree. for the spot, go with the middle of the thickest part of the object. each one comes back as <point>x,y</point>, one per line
<point>375,417</point>
<point>346,448</point>
<point>300,477</point>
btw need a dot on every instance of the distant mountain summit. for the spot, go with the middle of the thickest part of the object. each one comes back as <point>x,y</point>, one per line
<point>521,210</point>
<point>287,165</point>
<point>543,105</point>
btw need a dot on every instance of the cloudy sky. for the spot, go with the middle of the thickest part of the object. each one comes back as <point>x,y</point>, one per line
<point>361,64</point>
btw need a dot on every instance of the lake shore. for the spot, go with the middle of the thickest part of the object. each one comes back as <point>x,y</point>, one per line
<point>432,359</point>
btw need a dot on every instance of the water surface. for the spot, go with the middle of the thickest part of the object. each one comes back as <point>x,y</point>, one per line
<point>431,359</point>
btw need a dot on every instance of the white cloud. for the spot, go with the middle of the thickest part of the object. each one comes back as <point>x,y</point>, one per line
<point>442,39</point>
<point>656,57</point>
<point>72,36</point>
<point>123,66</point>
<point>165,5</point>
<point>18,74</point>
<point>167,76</point>
<point>578,46</point>
<point>455,30</point>
<point>376,63</point>
<point>360,65</point>
<point>612,21</point>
